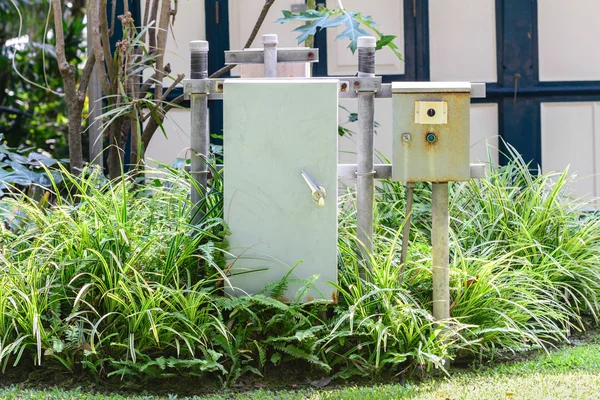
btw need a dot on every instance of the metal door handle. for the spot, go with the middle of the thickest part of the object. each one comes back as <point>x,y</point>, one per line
<point>318,193</point>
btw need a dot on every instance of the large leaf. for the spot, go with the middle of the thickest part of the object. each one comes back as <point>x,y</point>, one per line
<point>23,176</point>
<point>384,40</point>
<point>9,178</point>
<point>352,31</point>
<point>315,20</point>
<point>37,160</point>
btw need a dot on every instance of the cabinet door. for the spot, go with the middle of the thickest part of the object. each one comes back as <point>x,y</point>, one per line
<point>275,130</point>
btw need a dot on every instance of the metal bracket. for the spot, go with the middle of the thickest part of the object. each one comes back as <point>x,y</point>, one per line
<point>350,87</point>
<point>478,90</point>
<point>384,91</point>
<point>212,87</point>
<point>284,55</point>
<point>381,171</point>
<point>384,171</point>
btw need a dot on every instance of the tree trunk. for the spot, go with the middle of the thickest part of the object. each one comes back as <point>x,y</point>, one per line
<point>75,148</point>
<point>115,153</point>
<point>310,41</point>
<point>74,104</point>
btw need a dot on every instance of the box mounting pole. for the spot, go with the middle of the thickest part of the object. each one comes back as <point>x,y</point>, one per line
<point>440,256</point>
<point>270,53</point>
<point>365,152</point>
<point>199,134</point>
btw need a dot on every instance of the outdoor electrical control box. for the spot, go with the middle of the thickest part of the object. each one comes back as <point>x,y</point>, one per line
<point>431,131</point>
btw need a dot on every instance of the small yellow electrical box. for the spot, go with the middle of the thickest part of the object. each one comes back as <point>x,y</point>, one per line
<point>431,131</point>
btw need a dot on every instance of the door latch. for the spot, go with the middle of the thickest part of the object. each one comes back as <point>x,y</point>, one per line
<point>318,193</point>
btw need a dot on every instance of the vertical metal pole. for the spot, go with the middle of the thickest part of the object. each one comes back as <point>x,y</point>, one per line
<point>439,242</point>
<point>410,191</point>
<point>200,139</point>
<point>365,169</point>
<point>270,54</point>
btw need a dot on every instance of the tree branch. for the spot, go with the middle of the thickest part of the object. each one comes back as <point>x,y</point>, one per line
<point>146,14</point>
<point>152,29</point>
<point>164,96</point>
<point>154,123</point>
<point>310,41</point>
<point>257,26</point>
<point>94,15</point>
<point>112,74</point>
<point>113,14</point>
<point>223,71</point>
<point>161,44</point>
<point>67,71</point>
<point>74,106</point>
<point>259,22</point>
<point>85,77</point>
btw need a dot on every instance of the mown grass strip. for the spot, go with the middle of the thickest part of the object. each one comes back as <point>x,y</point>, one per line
<point>569,372</point>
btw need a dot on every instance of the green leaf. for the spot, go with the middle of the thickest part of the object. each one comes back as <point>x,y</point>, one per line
<point>288,16</point>
<point>276,358</point>
<point>383,41</point>
<point>352,31</point>
<point>313,21</point>
<point>58,346</point>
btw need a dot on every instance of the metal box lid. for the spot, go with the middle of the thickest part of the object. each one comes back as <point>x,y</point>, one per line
<point>431,87</point>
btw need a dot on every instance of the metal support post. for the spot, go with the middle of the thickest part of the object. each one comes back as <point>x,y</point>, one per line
<point>439,242</point>
<point>410,191</point>
<point>365,168</point>
<point>270,55</point>
<point>200,139</point>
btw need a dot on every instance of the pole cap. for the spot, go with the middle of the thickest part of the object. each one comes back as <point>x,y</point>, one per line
<point>366,41</point>
<point>198,45</point>
<point>269,39</point>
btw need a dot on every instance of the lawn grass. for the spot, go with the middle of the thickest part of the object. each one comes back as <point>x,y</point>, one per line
<point>570,372</point>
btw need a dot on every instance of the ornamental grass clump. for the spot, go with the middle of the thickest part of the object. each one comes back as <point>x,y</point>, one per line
<point>533,218</point>
<point>109,273</point>
<point>524,256</point>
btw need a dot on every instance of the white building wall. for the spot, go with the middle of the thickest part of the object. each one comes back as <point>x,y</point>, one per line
<point>571,139</point>
<point>568,34</point>
<point>166,149</point>
<point>462,40</point>
<point>462,47</point>
<point>568,52</point>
